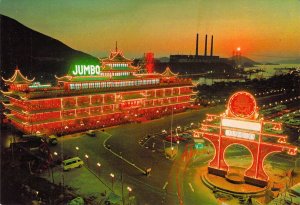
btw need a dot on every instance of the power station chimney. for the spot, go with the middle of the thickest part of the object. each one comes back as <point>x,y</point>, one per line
<point>197,44</point>
<point>205,50</point>
<point>212,45</point>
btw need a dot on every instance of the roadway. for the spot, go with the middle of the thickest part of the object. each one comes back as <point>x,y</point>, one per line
<point>123,140</point>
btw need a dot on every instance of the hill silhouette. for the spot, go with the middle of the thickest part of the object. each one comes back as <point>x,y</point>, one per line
<point>36,54</point>
<point>244,61</point>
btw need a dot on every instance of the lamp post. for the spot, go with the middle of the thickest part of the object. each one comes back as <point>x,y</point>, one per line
<point>62,171</point>
<point>98,165</point>
<point>172,130</point>
<point>129,192</point>
<point>112,181</point>
<point>50,165</point>
<point>87,159</point>
<point>191,124</point>
<point>122,179</point>
<point>77,150</point>
<point>66,127</point>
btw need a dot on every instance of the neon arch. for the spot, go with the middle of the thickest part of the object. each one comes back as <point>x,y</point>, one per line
<point>240,125</point>
<point>215,153</point>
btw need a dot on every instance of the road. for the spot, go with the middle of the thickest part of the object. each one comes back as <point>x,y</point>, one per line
<point>124,140</point>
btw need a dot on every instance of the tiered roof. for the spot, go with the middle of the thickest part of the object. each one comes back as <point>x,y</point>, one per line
<point>169,73</point>
<point>117,57</point>
<point>18,78</point>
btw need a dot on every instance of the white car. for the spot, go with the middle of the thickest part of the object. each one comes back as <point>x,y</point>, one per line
<point>91,133</point>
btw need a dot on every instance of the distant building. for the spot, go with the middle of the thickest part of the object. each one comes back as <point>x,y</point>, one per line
<point>199,63</point>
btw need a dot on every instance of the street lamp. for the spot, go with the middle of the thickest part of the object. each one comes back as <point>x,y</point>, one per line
<point>129,192</point>
<point>62,172</point>
<point>172,130</point>
<point>66,127</point>
<point>87,159</point>
<point>112,181</point>
<point>77,150</point>
<point>98,165</point>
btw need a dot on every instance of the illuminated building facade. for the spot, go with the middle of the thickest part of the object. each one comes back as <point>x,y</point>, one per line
<point>241,125</point>
<point>88,99</point>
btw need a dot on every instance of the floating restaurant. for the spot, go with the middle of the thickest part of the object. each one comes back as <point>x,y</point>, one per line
<point>86,98</point>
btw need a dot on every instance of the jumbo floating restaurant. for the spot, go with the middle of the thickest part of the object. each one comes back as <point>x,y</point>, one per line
<point>86,98</point>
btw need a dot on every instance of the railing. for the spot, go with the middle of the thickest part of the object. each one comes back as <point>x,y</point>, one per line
<point>61,92</point>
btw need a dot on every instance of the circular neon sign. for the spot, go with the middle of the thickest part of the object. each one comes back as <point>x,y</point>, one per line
<point>242,104</point>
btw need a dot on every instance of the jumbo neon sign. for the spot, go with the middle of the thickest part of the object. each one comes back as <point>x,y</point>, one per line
<point>86,70</point>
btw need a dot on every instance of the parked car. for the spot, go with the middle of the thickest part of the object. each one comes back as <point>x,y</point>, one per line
<point>91,133</point>
<point>72,163</point>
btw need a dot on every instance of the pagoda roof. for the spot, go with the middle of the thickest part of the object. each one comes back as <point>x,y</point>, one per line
<point>18,78</point>
<point>169,73</point>
<point>64,78</point>
<point>116,57</point>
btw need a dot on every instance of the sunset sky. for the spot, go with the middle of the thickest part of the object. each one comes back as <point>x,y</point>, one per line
<point>264,29</point>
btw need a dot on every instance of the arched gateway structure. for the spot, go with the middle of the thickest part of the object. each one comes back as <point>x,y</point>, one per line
<point>241,125</point>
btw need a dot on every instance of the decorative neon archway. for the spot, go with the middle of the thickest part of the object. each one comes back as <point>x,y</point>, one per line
<point>240,125</point>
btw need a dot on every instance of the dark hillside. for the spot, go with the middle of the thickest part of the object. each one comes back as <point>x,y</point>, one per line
<point>36,54</point>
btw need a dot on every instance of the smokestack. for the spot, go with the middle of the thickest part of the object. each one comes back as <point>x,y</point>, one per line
<point>212,45</point>
<point>197,44</point>
<point>205,50</point>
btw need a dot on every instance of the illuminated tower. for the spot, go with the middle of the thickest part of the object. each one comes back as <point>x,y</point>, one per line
<point>149,58</point>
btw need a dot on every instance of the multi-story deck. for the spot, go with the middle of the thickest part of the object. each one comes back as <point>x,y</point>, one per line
<point>89,99</point>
